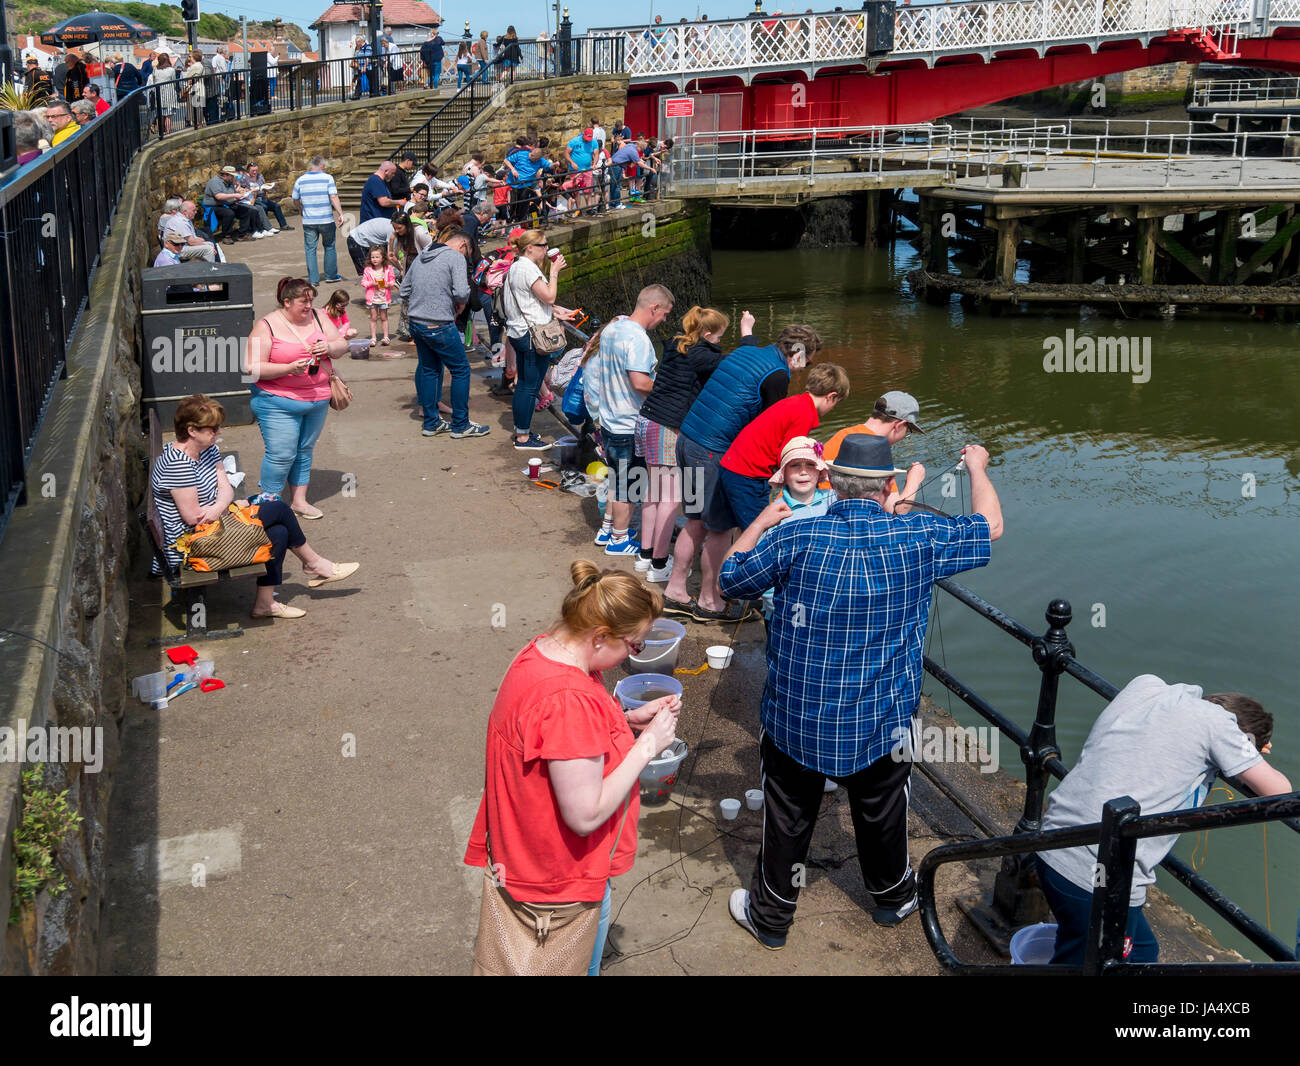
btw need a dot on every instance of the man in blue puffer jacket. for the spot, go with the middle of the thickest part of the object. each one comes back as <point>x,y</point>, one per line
<point>746,382</point>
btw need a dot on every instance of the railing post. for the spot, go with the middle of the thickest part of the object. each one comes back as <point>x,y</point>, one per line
<point>1113,874</point>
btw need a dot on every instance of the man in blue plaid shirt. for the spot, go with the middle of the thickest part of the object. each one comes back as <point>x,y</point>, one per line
<point>844,668</point>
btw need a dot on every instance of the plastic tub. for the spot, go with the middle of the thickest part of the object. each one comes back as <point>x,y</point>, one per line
<point>660,774</point>
<point>754,799</point>
<point>719,656</point>
<point>1033,945</point>
<point>660,653</point>
<point>150,687</point>
<point>730,808</point>
<point>567,450</point>
<point>639,689</point>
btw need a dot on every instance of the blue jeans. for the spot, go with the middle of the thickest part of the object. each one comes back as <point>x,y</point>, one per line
<point>1072,908</point>
<point>601,934</point>
<point>435,75</point>
<point>462,75</point>
<point>531,367</point>
<point>615,185</point>
<point>311,233</point>
<point>439,347</point>
<point>290,429</point>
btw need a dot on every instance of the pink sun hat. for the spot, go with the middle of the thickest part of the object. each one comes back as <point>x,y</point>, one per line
<point>799,448</point>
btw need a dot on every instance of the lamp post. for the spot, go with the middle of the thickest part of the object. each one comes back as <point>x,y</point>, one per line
<point>376,17</point>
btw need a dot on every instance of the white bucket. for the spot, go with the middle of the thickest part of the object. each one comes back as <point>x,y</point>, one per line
<point>730,808</point>
<point>660,653</point>
<point>1033,945</point>
<point>149,687</point>
<point>719,656</point>
<point>754,799</point>
<point>660,773</point>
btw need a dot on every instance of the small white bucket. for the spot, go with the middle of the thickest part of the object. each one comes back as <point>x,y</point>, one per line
<point>754,799</point>
<point>1033,945</point>
<point>634,692</point>
<point>659,656</point>
<point>719,656</point>
<point>730,808</point>
<point>149,687</point>
<point>660,774</point>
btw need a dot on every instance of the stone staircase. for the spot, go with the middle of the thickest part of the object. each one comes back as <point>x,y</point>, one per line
<point>423,106</point>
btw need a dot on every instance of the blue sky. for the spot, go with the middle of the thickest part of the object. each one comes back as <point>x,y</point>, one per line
<point>527,16</point>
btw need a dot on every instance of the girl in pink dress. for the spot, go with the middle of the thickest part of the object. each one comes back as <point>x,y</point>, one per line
<point>380,280</point>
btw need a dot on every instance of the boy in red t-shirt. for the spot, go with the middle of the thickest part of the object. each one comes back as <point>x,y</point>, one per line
<point>743,485</point>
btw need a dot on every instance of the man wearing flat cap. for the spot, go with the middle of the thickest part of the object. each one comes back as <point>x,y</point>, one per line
<point>844,660</point>
<point>226,199</point>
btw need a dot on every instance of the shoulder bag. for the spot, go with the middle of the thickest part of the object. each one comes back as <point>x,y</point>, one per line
<point>545,339</point>
<point>237,538</point>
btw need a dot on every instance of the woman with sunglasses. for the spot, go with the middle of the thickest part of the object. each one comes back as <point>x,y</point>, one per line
<point>529,300</point>
<point>560,801</point>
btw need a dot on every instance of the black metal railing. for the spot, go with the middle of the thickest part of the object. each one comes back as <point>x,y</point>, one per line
<point>54,214</point>
<point>1015,888</point>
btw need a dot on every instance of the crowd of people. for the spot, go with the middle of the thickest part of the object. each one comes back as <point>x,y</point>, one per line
<point>824,543</point>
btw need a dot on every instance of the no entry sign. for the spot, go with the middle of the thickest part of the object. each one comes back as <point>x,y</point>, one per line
<point>679,107</point>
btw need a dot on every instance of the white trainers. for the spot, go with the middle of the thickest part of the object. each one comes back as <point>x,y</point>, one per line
<point>642,563</point>
<point>274,231</point>
<point>659,575</point>
<point>260,234</point>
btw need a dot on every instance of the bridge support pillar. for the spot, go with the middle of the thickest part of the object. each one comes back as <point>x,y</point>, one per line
<point>1008,242</point>
<point>1076,248</point>
<point>934,246</point>
<point>1224,262</point>
<point>872,228</point>
<point>1146,249</point>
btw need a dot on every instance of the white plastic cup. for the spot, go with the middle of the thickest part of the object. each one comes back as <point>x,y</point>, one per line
<point>534,469</point>
<point>730,808</point>
<point>719,656</point>
<point>553,253</point>
<point>754,799</point>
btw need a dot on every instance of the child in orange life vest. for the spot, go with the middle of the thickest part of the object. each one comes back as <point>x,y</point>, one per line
<point>380,279</point>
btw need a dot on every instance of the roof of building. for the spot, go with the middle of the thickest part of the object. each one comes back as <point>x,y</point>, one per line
<point>396,13</point>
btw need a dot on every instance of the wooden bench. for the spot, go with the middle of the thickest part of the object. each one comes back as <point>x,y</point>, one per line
<point>189,585</point>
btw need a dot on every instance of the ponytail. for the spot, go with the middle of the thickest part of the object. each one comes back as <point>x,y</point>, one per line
<point>697,322</point>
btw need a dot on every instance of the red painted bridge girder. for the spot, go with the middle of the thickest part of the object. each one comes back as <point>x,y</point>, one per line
<point>910,92</point>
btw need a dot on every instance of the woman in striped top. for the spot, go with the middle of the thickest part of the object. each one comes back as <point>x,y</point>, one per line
<point>190,486</point>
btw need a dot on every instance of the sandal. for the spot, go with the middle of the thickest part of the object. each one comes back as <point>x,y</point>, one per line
<point>341,570</point>
<point>385,340</point>
<point>311,515</point>
<point>680,609</point>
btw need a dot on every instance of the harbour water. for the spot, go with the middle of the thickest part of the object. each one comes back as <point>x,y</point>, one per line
<point>1160,500</point>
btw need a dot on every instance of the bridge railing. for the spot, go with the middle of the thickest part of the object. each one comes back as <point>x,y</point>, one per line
<point>1220,92</point>
<point>833,38</point>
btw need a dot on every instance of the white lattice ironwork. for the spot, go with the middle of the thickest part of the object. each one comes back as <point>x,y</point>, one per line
<point>808,40</point>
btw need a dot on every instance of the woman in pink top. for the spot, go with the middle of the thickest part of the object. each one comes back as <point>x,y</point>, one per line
<point>289,357</point>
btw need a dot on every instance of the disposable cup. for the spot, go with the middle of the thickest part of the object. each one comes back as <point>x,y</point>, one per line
<point>730,808</point>
<point>719,656</point>
<point>534,469</point>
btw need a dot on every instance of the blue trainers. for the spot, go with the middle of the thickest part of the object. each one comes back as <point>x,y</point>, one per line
<point>533,444</point>
<point>474,429</point>
<point>441,426</point>
<point>602,537</point>
<point>627,547</point>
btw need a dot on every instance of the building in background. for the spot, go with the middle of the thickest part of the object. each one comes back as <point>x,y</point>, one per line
<point>341,24</point>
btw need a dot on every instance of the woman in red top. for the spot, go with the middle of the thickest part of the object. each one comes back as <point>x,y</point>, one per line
<point>289,357</point>
<point>560,802</point>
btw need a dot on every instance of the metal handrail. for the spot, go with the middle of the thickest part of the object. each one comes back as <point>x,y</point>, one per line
<point>1207,92</point>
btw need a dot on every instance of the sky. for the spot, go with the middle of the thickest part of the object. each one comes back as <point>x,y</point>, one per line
<point>528,17</point>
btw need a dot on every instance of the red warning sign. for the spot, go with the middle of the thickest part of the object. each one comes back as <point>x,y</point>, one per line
<point>679,107</point>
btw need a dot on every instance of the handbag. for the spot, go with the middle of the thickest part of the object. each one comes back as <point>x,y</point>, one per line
<point>237,538</point>
<point>545,339</point>
<point>535,940</point>
<point>340,393</point>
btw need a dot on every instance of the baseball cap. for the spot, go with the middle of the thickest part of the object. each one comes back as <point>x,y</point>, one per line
<point>587,134</point>
<point>902,406</point>
<point>797,448</point>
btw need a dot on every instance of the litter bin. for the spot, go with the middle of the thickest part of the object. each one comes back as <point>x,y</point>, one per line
<point>197,318</point>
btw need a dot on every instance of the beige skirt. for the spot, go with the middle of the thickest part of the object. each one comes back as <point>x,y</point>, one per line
<point>533,940</point>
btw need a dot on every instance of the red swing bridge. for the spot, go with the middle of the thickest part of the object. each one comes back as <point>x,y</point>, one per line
<point>890,65</point>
